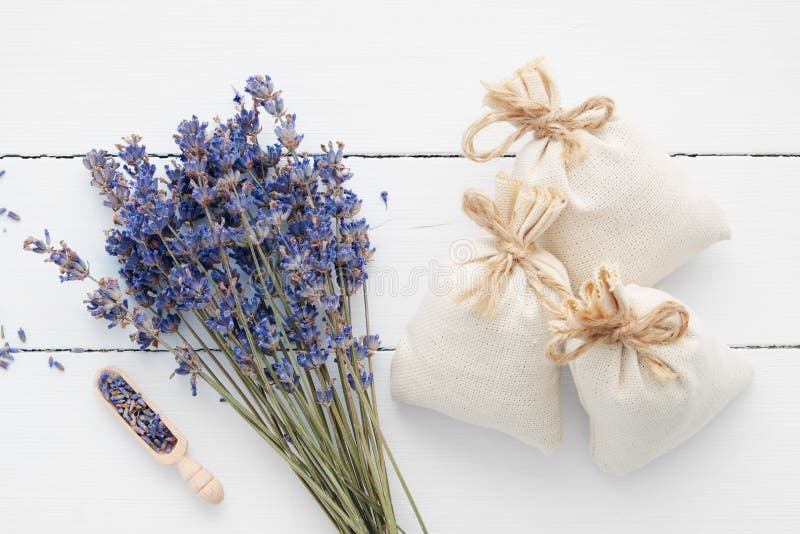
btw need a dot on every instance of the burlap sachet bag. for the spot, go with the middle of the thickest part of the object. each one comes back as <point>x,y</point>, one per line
<point>628,204</point>
<point>475,349</point>
<point>648,373</point>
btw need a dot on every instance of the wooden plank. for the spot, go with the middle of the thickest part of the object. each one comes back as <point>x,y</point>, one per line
<point>401,77</point>
<point>67,465</point>
<point>742,288</point>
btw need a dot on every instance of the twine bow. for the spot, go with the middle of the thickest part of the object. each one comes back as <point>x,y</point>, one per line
<point>521,101</point>
<point>519,214</point>
<point>603,316</point>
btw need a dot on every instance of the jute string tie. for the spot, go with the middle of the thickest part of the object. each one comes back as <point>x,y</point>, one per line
<point>603,316</point>
<point>511,101</point>
<point>514,243</point>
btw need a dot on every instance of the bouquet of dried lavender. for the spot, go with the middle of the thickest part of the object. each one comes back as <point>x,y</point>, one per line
<point>243,261</point>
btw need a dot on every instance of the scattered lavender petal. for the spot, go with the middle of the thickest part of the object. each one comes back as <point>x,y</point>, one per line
<point>6,355</point>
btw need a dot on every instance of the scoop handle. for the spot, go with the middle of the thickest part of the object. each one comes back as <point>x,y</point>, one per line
<point>201,480</point>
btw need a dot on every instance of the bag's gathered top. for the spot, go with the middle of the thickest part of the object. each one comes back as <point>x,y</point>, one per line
<point>603,315</point>
<point>519,214</point>
<point>513,100</point>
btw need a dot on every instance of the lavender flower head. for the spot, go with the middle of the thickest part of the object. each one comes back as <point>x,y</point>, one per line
<point>260,242</point>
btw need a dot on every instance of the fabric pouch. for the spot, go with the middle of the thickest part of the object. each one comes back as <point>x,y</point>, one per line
<point>648,373</point>
<point>628,204</point>
<point>475,349</point>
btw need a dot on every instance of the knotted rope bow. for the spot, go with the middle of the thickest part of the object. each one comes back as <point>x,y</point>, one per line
<point>519,215</point>
<point>513,100</point>
<point>604,317</point>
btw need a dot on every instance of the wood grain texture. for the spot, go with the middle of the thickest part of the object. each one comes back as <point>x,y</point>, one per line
<point>71,468</point>
<point>397,77</point>
<point>723,284</point>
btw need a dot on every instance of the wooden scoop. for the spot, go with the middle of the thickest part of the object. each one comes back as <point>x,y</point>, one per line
<point>202,481</point>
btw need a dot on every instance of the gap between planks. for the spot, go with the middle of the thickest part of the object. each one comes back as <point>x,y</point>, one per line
<point>389,155</point>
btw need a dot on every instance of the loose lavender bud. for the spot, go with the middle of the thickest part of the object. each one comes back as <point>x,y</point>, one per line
<point>14,216</point>
<point>50,361</point>
<point>132,408</point>
<point>7,355</point>
<point>58,365</point>
<point>22,336</point>
<point>385,198</point>
<point>3,211</point>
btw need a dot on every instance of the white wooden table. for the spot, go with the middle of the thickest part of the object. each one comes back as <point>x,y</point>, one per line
<point>716,83</point>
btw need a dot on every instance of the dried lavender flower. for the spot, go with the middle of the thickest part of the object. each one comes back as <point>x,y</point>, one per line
<point>7,355</point>
<point>14,216</point>
<point>385,198</point>
<point>22,336</point>
<point>260,247</point>
<point>134,410</point>
<point>72,267</point>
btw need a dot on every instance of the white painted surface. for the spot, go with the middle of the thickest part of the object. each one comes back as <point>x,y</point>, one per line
<point>67,467</point>
<point>723,284</point>
<point>397,78</point>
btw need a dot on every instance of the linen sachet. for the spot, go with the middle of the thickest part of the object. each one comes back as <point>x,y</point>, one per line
<point>475,350</point>
<point>628,204</point>
<point>648,373</point>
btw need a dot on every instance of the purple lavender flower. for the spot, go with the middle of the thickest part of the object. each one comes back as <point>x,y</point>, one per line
<point>260,88</point>
<point>250,250</point>
<point>131,407</point>
<point>314,358</point>
<point>325,397</point>
<point>363,381</point>
<point>286,376</point>
<point>72,267</point>
<point>6,355</point>
<point>107,303</point>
